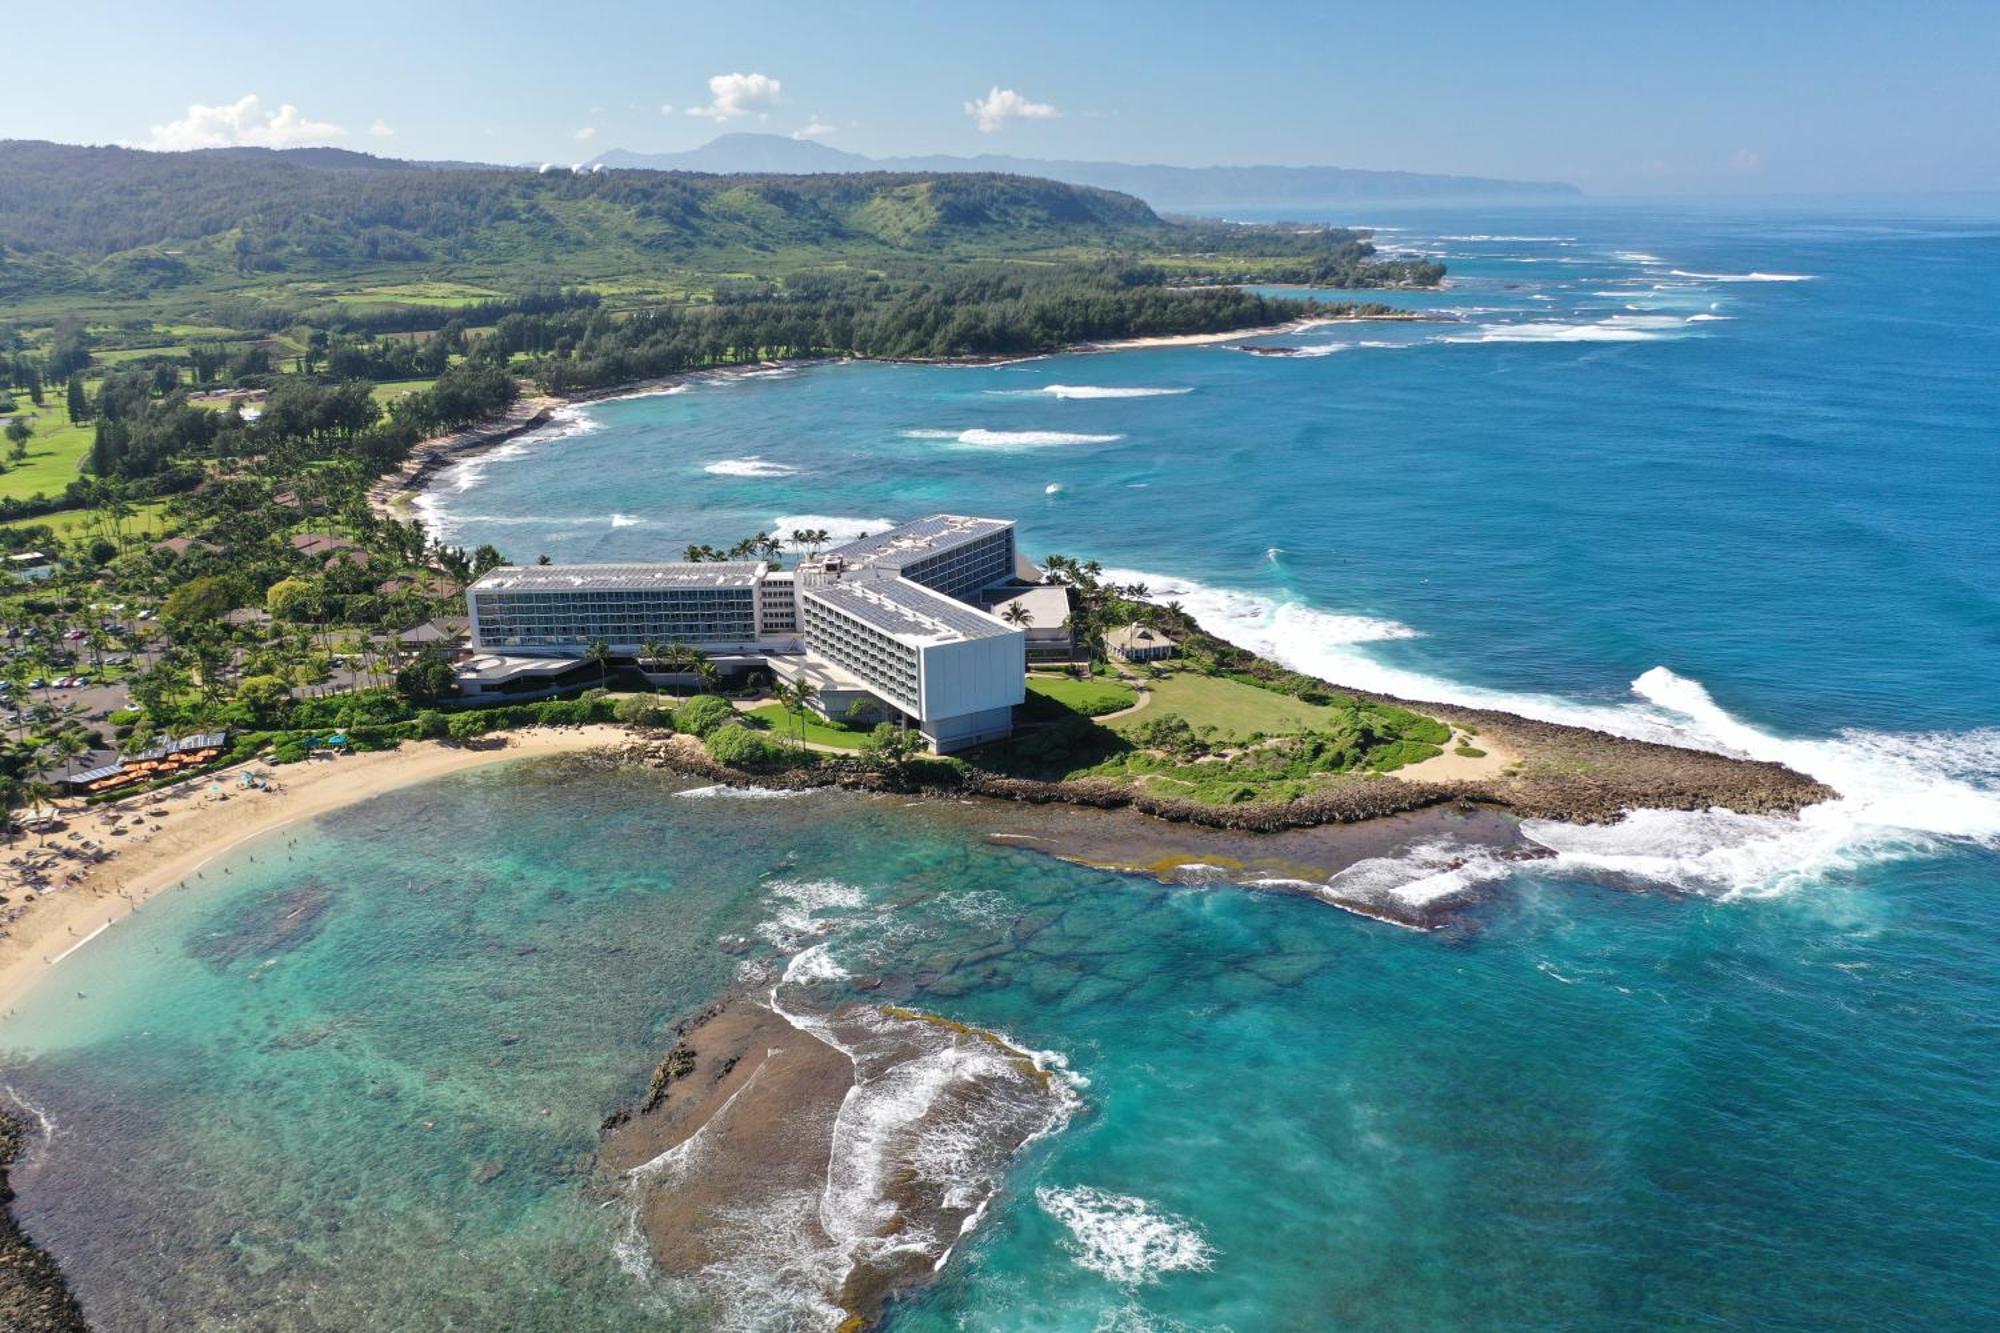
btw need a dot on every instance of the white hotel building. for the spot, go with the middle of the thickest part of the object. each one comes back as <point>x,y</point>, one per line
<point>891,621</point>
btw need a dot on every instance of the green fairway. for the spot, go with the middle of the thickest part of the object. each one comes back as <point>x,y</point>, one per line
<point>1236,711</point>
<point>55,450</point>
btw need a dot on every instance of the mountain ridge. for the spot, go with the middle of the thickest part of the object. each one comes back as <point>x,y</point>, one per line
<point>1159,184</point>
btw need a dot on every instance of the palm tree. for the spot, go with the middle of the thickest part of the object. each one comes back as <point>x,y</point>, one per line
<point>1020,617</point>
<point>707,670</point>
<point>600,653</point>
<point>38,794</point>
<point>71,745</point>
<point>797,699</point>
<point>652,650</point>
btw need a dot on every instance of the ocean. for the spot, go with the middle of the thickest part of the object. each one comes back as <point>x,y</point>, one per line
<point>1719,474</point>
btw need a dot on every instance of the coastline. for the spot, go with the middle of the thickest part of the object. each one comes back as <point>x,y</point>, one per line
<point>197,829</point>
<point>392,494</point>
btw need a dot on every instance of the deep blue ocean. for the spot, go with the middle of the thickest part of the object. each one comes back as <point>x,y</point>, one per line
<point>1720,474</point>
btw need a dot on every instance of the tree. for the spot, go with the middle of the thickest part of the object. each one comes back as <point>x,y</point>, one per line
<point>79,402</point>
<point>427,679</point>
<point>600,653</point>
<point>1020,617</point>
<point>291,599</point>
<point>651,651</point>
<point>739,747</point>
<point>889,746</point>
<point>702,714</point>
<point>200,602</point>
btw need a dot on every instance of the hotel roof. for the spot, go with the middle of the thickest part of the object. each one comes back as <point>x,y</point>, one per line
<point>620,578</point>
<point>909,611</point>
<point>910,542</point>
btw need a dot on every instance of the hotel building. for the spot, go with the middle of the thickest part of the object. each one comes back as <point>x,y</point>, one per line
<point>892,622</point>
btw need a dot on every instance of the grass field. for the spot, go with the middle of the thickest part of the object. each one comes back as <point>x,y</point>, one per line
<point>388,391</point>
<point>148,519</point>
<point>818,730</point>
<point>1235,710</point>
<point>55,451</point>
<point>1092,698</point>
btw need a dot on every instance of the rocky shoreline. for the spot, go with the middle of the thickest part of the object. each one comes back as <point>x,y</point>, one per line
<point>1567,773</point>
<point>34,1297</point>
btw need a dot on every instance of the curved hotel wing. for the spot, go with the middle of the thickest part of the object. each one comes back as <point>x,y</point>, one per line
<point>889,619</point>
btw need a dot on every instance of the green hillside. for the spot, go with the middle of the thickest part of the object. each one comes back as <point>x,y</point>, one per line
<point>99,227</point>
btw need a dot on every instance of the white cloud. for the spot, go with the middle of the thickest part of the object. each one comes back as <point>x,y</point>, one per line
<point>993,111</point>
<point>243,123</point>
<point>382,129</point>
<point>739,95</point>
<point>666,108</point>
<point>1747,159</point>
<point>814,128</point>
<point>587,133</point>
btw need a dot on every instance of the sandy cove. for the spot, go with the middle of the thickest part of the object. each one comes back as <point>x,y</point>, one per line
<point>191,827</point>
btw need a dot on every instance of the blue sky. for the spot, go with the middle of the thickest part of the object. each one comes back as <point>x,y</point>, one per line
<point>1619,98</point>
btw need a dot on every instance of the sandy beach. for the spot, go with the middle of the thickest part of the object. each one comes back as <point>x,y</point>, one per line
<point>1203,339</point>
<point>172,837</point>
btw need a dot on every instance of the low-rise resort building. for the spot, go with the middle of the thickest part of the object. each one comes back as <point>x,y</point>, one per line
<point>893,626</point>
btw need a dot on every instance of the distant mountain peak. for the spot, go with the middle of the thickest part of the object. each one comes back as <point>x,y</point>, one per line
<point>749,152</point>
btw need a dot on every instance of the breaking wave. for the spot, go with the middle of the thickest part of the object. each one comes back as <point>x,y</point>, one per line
<point>1742,277</point>
<point>1618,328</point>
<point>1900,794</point>
<point>1086,391</point>
<point>838,527</point>
<point>1010,439</point>
<point>750,466</point>
<point>720,790</point>
<point>1122,1237</point>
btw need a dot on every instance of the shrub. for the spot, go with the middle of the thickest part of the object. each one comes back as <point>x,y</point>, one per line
<point>740,747</point>
<point>702,714</point>
<point>638,710</point>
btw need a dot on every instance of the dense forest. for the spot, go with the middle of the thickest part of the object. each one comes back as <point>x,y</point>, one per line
<point>123,222</point>
<point>356,305</point>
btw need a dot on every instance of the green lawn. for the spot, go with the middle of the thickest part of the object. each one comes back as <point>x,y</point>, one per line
<point>1235,710</point>
<point>1092,698</point>
<point>148,520</point>
<point>55,450</point>
<point>388,391</point>
<point>818,730</point>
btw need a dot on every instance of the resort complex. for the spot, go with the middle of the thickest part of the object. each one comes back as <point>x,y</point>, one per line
<point>891,626</point>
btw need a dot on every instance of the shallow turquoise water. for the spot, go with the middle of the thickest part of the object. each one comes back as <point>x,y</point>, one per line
<point>1697,1070</point>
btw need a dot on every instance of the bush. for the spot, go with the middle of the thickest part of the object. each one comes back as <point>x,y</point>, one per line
<point>702,714</point>
<point>740,747</point>
<point>637,710</point>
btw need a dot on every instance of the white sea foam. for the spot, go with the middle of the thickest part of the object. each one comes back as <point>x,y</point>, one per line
<point>721,790</point>
<point>1618,328</point>
<point>1429,874</point>
<point>1088,391</point>
<point>626,520</point>
<point>750,466</point>
<point>838,527</point>
<point>1010,439</point>
<point>1742,277</point>
<point>1053,488</point>
<point>1900,794</point>
<point>1122,1237</point>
